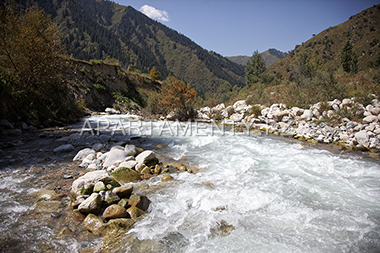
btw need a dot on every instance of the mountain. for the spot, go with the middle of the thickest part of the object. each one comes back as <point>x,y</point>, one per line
<point>100,29</point>
<point>270,56</point>
<point>362,30</point>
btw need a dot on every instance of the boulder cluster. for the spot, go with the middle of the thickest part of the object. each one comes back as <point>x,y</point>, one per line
<point>105,193</point>
<point>347,123</point>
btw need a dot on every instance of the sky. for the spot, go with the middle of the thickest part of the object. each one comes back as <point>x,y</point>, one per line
<point>239,27</point>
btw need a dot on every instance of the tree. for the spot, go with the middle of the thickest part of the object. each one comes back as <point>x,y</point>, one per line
<point>178,97</point>
<point>348,59</point>
<point>255,68</point>
<point>30,63</point>
<point>154,74</point>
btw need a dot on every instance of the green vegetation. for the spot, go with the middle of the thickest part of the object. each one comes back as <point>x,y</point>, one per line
<point>99,29</point>
<point>254,69</point>
<point>154,74</point>
<point>340,62</point>
<point>348,59</point>
<point>31,63</point>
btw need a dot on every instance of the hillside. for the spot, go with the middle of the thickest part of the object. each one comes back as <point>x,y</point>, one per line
<point>99,29</point>
<point>314,71</point>
<point>270,56</point>
<point>362,30</point>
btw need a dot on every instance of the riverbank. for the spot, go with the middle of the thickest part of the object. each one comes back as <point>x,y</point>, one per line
<point>346,123</point>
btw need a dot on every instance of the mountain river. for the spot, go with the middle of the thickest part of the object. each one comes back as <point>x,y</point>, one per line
<point>253,193</point>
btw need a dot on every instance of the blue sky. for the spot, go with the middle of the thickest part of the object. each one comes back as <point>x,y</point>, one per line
<point>239,27</point>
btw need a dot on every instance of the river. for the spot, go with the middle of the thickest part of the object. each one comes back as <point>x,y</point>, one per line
<point>253,193</point>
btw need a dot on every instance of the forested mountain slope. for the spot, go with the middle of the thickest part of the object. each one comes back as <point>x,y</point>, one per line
<point>100,29</point>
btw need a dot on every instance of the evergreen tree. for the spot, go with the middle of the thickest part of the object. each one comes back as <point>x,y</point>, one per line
<point>255,68</point>
<point>348,59</point>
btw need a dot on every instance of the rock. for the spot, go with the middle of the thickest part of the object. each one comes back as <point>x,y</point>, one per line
<point>93,166</point>
<point>218,107</point>
<point>64,231</point>
<point>147,157</point>
<point>135,212</point>
<point>375,111</point>
<point>129,164</point>
<point>336,107</point>
<point>63,140</point>
<point>174,241</point>
<point>114,155</point>
<point>370,119</point>
<point>5,123</point>
<point>90,178</point>
<point>145,170</point>
<point>123,191</point>
<point>47,195</point>
<point>130,150</point>
<point>111,198</point>
<point>104,137</point>
<point>240,105</point>
<point>222,229</point>
<point>82,154</point>
<point>125,175</point>
<point>99,186</point>
<point>118,223</point>
<point>49,207</point>
<point>157,169</point>
<point>91,205</point>
<point>95,225</point>
<point>166,178</point>
<point>97,146</point>
<point>237,117</point>
<point>123,203</point>
<point>180,166</point>
<point>307,115</point>
<point>138,201</point>
<point>362,137</point>
<point>296,111</point>
<point>115,211</point>
<point>64,148</point>
<point>111,111</point>
<point>346,102</point>
<point>75,136</point>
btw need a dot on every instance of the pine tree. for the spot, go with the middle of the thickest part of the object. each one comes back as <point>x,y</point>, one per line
<point>348,59</point>
<point>255,68</point>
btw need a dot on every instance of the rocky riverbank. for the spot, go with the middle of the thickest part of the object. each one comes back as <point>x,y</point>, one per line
<point>346,123</point>
<point>91,187</point>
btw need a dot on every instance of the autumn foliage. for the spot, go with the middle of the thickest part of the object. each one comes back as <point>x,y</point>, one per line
<point>178,97</point>
<point>30,64</point>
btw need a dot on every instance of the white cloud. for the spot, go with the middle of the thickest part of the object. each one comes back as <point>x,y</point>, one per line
<point>152,12</point>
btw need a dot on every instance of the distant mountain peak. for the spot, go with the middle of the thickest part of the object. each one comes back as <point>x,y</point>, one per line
<point>270,56</point>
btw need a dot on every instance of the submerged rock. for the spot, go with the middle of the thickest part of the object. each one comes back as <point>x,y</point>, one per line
<point>95,225</point>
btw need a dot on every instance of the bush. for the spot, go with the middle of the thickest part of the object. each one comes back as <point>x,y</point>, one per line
<point>178,97</point>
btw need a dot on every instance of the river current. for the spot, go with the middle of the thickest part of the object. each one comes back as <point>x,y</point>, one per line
<point>273,194</point>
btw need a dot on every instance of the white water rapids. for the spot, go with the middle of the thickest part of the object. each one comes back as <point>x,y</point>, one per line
<point>275,194</point>
<point>280,196</point>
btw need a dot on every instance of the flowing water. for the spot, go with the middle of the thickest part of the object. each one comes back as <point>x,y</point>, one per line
<point>255,193</point>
